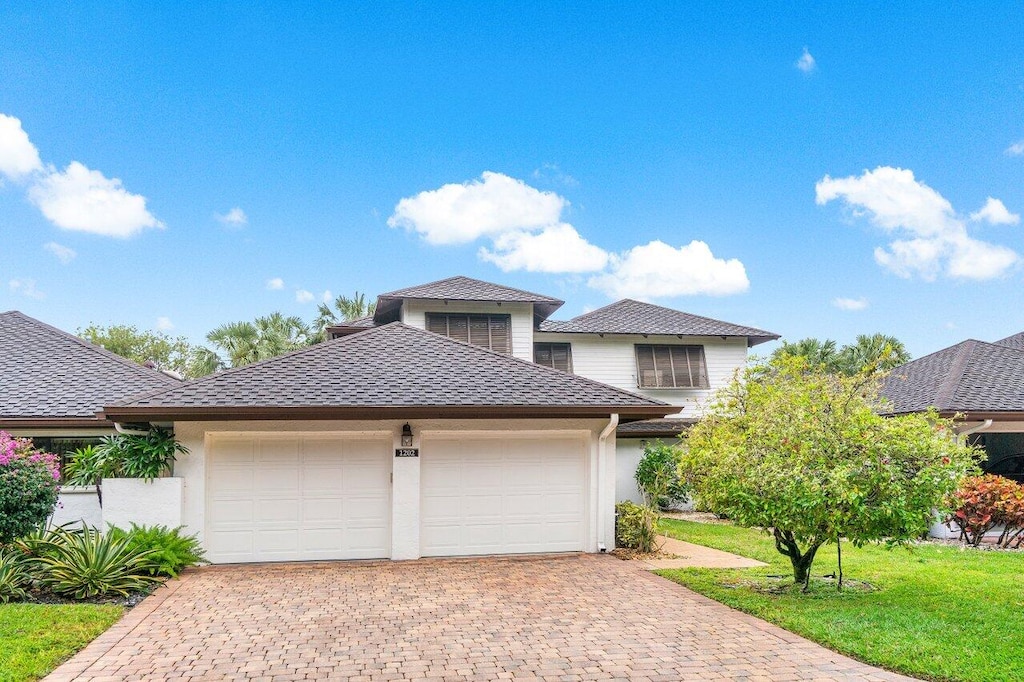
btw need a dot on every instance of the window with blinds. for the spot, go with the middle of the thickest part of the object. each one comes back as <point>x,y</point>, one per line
<point>555,355</point>
<point>488,331</point>
<point>670,366</point>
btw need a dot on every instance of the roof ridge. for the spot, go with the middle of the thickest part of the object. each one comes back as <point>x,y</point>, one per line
<point>947,389</point>
<point>99,350</point>
<point>540,297</point>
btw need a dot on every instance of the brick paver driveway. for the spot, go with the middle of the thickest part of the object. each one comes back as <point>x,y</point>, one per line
<point>551,618</point>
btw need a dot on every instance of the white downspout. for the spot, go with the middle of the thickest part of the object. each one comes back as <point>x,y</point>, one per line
<point>602,448</point>
<point>129,432</point>
<point>981,427</point>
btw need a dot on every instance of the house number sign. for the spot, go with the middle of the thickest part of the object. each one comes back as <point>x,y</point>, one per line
<point>407,452</point>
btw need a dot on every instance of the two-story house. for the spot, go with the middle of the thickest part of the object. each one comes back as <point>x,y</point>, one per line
<point>658,352</point>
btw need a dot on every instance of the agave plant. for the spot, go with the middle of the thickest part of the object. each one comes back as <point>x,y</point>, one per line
<point>85,563</point>
<point>14,576</point>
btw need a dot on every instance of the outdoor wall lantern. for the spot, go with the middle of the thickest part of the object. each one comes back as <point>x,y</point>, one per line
<point>406,436</point>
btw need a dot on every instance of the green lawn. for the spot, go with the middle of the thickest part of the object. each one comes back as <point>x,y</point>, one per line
<point>937,611</point>
<point>36,638</point>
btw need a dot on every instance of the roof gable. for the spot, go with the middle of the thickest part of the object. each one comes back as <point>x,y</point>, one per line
<point>388,369</point>
<point>460,288</point>
<point>971,376</point>
<point>1014,341</point>
<point>49,374</point>
<point>636,317</point>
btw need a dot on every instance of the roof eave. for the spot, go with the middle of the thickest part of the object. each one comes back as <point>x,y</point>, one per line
<point>55,423</point>
<point>309,412</point>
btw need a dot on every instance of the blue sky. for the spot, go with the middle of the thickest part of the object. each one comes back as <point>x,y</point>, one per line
<point>574,150</point>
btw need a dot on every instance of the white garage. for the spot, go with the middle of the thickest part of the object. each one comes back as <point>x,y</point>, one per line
<point>503,494</point>
<point>274,497</point>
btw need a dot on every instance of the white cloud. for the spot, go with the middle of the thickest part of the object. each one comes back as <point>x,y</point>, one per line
<point>929,238</point>
<point>1016,149</point>
<point>62,253</point>
<point>26,287</point>
<point>327,296</point>
<point>806,62</point>
<point>995,212</point>
<point>303,296</point>
<point>87,201</point>
<point>275,284</point>
<point>164,324</point>
<point>462,213</point>
<point>234,218</point>
<point>558,248</point>
<point>658,270</point>
<point>18,156</point>
<point>552,173</point>
<point>850,303</point>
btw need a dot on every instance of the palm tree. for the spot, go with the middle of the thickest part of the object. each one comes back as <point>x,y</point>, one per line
<point>345,310</point>
<point>243,343</point>
<point>874,353</point>
<point>818,353</point>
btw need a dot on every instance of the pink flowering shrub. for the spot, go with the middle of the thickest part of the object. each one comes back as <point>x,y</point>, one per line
<point>29,484</point>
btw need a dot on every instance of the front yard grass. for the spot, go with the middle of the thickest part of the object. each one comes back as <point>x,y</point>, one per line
<point>36,638</point>
<point>937,612</point>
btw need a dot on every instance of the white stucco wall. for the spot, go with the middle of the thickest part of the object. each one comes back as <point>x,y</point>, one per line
<point>77,504</point>
<point>628,452</point>
<point>196,436</point>
<point>611,359</point>
<point>521,315</point>
<point>146,503</point>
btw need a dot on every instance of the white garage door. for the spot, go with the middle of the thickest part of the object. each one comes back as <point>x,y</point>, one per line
<point>274,498</point>
<point>502,495</point>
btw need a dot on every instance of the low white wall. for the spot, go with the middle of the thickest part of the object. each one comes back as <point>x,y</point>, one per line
<point>77,504</point>
<point>133,500</point>
<point>628,452</point>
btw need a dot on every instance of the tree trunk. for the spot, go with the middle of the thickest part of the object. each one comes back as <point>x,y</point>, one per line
<point>802,561</point>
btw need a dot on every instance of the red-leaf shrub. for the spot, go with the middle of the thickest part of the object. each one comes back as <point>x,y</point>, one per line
<point>984,502</point>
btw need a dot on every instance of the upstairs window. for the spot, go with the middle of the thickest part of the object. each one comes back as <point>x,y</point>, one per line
<point>555,355</point>
<point>487,331</point>
<point>670,366</point>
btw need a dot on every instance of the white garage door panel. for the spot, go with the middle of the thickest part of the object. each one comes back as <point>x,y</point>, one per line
<point>502,495</point>
<point>297,498</point>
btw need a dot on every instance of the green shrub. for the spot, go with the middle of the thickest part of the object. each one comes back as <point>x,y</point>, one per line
<point>29,486</point>
<point>85,563</point>
<point>125,456</point>
<point>658,476</point>
<point>14,576</point>
<point>635,527</point>
<point>168,551</point>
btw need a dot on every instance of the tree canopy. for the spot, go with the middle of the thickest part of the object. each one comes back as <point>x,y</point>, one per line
<point>162,350</point>
<point>804,453</point>
<point>242,343</point>
<point>344,309</point>
<point>869,352</point>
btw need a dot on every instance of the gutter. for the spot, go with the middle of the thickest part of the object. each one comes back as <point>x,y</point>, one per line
<point>602,450</point>
<point>981,427</point>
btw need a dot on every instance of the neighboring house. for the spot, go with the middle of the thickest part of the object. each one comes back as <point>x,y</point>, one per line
<point>53,384</point>
<point>982,384</point>
<point>647,349</point>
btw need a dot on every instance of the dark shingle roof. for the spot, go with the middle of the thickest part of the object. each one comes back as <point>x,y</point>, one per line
<point>972,376</point>
<point>47,374</point>
<point>1015,341</point>
<point>654,428</point>
<point>387,370</point>
<point>635,317</point>
<point>461,288</point>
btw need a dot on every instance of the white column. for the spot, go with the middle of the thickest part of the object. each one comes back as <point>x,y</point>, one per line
<point>405,503</point>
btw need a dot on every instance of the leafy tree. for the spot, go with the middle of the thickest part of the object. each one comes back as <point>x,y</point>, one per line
<point>804,454</point>
<point>29,485</point>
<point>162,350</point>
<point>875,353</point>
<point>657,476</point>
<point>242,343</point>
<point>345,310</point>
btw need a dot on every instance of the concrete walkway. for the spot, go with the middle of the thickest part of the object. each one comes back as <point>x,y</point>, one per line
<point>696,556</point>
<point>564,618</point>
